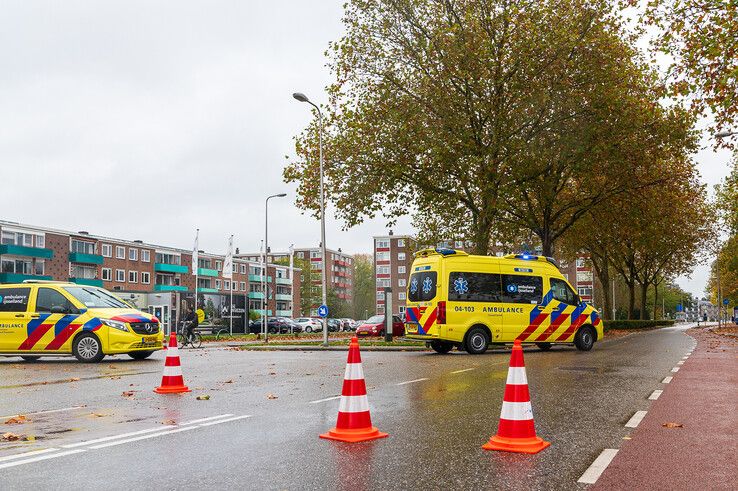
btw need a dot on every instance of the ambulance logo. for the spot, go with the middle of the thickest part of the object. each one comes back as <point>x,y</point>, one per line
<point>512,288</point>
<point>414,286</point>
<point>461,286</point>
<point>427,285</point>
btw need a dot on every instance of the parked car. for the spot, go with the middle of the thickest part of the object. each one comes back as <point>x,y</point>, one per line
<point>334,325</point>
<point>347,324</point>
<point>309,324</point>
<point>275,325</point>
<point>374,326</point>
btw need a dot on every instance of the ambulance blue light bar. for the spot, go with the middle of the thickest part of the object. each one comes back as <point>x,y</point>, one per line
<point>533,257</point>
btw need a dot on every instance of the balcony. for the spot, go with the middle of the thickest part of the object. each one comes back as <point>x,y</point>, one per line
<point>170,268</point>
<point>203,289</point>
<point>19,278</point>
<point>256,295</point>
<point>87,281</point>
<point>284,281</point>
<point>261,312</point>
<point>170,288</point>
<point>283,296</point>
<point>284,313</point>
<point>206,272</point>
<point>18,250</point>
<point>82,258</point>
<point>255,278</point>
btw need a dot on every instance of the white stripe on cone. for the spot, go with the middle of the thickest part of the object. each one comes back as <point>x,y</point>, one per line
<point>353,404</point>
<point>518,411</point>
<point>516,376</point>
<point>172,352</point>
<point>172,371</point>
<point>353,372</point>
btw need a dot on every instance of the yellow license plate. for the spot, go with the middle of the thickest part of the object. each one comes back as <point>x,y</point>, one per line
<point>411,328</point>
<point>148,339</point>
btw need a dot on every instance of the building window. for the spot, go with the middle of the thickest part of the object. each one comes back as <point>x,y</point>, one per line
<point>402,282</point>
<point>380,295</point>
<point>383,256</point>
<point>382,243</point>
<point>83,247</point>
<point>164,258</point>
<point>20,266</point>
<point>226,285</point>
<point>38,267</point>
<point>380,309</point>
<point>243,270</point>
<point>217,284</point>
<point>402,309</point>
<point>145,277</point>
<point>401,296</point>
<point>120,252</point>
<point>383,269</point>
<point>234,286</point>
<point>145,255</point>
<point>400,242</point>
<point>400,256</point>
<point>301,255</point>
<point>107,274</point>
<point>580,262</point>
<point>243,286</point>
<point>133,254</point>
<point>106,250</point>
<point>219,265</point>
<point>401,269</point>
<point>120,275</point>
<point>133,277</point>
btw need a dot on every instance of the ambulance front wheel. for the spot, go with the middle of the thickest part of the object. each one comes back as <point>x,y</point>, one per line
<point>477,340</point>
<point>441,347</point>
<point>87,348</point>
<point>585,338</point>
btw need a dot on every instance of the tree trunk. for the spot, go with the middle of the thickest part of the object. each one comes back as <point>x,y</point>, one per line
<point>602,268</point>
<point>631,299</point>
<point>481,238</point>
<point>644,299</point>
<point>656,300</point>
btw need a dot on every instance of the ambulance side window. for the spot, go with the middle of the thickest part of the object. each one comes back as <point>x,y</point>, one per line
<point>522,288</point>
<point>562,292</point>
<point>48,298</point>
<point>14,299</point>
<point>474,287</point>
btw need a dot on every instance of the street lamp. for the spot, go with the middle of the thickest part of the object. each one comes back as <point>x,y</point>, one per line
<point>265,294</point>
<point>303,98</point>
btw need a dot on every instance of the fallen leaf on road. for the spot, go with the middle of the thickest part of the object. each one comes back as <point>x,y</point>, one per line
<point>672,425</point>
<point>113,367</point>
<point>114,377</point>
<point>272,373</point>
<point>128,393</point>
<point>203,398</point>
<point>271,396</point>
<point>11,437</point>
<point>169,422</point>
<point>17,420</point>
<point>228,382</point>
<point>74,379</point>
<point>98,415</point>
<point>30,438</point>
<point>627,438</point>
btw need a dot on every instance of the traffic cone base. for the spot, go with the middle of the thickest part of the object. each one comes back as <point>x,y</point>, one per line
<point>354,422</point>
<point>353,436</point>
<point>172,381</point>
<point>520,445</point>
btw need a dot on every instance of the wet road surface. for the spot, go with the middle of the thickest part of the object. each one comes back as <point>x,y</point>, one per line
<point>259,430</point>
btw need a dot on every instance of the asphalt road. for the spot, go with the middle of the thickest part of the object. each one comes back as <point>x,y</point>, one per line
<point>260,427</point>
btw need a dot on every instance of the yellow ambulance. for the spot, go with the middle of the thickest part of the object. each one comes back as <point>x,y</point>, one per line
<point>455,299</point>
<point>48,318</point>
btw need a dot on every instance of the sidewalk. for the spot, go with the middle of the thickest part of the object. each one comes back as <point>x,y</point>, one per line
<point>703,453</point>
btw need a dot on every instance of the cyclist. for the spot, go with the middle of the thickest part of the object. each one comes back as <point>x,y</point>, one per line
<point>190,323</point>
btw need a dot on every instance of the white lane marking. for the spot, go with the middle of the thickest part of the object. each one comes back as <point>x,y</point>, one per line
<point>675,369</point>
<point>42,457</point>
<point>325,400</point>
<point>599,465</point>
<point>413,381</point>
<point>464,370</point>
<point>143,437</point>
<point>27,454</point>
<point>655,394</point>
<point>680,362</point>
<point>666,380</point>
<point>115,437</point>
<point>635,419</point>
<point>226,420</point>
<point>202,420</point>
<point>45,412</point>
<point>685,357</point>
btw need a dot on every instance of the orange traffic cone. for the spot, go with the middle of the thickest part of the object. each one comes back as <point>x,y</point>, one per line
<point>517,432</point>
<point>354,422</point>
<point>172,381</point>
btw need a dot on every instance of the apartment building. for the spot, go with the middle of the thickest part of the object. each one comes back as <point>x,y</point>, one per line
<point>153,277</point>
<point>339,275</point>
<point>581,275</point>
<point>393,259</point>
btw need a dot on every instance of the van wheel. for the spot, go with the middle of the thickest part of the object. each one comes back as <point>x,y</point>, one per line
<point>544,346</point>
<point>441,347</point>
<point>140,355</point>
<point>30,358</point>
<point>476,341</point>
<point>585,338</point>
<point>87,348</point>
<point>309,329</point>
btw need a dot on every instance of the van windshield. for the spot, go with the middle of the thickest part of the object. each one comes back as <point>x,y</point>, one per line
<point>96,298</point>
<point>422,286</point>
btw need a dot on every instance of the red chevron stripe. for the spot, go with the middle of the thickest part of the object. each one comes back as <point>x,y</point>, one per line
<point>574,326</point>
<point>428,324</point>
<point>552,328</point>
<point>37,334</point>
<point>63,336</point>
<point>533,326</point>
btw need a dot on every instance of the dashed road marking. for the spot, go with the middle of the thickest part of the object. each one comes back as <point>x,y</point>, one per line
<point>599,465</point>
<point>49,411</point>
<point>41,457</point>
<point>635,419</point>
<point>461,371</point>
<point>675,369</point>
<point>201,420</point>
<point>680,362</point>
<point>236,418</point>
<point>27,454</point>
<point>143,437</point>
<point>413,381</point>
<point>655,394</point>
<point>115,437</point>
<point>666,380</point>
<point>325,400</point>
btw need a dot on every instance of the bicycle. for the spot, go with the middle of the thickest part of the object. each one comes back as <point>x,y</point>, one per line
<point>194,339</point>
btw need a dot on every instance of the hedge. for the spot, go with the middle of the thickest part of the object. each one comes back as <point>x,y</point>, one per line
<point>636,324</point>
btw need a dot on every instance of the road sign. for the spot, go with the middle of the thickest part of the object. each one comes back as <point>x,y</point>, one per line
<point>323,311</point>
<point>726,301</point>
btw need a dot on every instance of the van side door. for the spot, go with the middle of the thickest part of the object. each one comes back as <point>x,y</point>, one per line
<point>14,317</point>
<point>527,309</point>
<point>474,298</point>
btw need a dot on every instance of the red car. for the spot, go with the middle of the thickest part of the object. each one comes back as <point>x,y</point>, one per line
<point>374,326</point>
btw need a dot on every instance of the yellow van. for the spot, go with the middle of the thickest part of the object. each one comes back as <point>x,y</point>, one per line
<point>467,301</point>
<point>50,318</point>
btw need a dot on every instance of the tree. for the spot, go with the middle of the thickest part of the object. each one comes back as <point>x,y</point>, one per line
<point>726,263</point>
<point>364,286</point>
<point>701,36</point>
<point>337,307</point>
<point>479,115</point>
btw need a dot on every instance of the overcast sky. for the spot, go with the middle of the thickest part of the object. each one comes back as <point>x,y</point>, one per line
<point>144,119</point>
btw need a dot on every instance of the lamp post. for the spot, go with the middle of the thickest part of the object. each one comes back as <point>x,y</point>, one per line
<point>265,292</point>
<point>303,98</point>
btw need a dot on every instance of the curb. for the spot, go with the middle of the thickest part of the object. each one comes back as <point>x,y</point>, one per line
<point>283,347</point>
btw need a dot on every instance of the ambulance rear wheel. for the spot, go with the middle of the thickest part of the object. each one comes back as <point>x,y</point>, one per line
<point>544,346</point>
<point>585,338</point>
<point>476,341</point>
<point>87,348</point>
<point>30,358</point>
<point>441,347</point>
